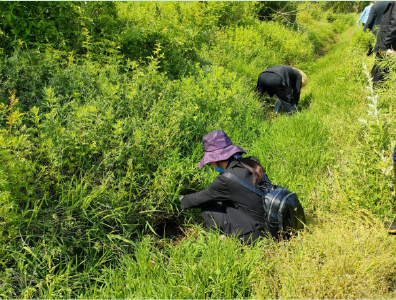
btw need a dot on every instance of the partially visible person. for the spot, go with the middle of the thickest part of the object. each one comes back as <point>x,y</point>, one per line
<point>375,16</point>
<point>285,82</point>
<point>374,20</point>
<point>224,204</point>
<point>386,41</point>
<point>365,13</point>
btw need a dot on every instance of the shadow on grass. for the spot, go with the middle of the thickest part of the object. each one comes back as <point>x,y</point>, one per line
<point>174,227</point>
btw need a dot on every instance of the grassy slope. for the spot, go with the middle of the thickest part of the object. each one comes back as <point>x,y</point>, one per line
<point>346,253</point>
<point>80,242</point>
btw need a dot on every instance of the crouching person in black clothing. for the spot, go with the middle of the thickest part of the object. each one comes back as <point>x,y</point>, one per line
<point>285,82</point>
<point>224,204</point>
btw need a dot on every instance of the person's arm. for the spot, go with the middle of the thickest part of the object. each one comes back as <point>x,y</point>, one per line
<point>390,37</point>
<point>362,15</point>
<point>216,191</point>
<point>296,86</point>
<point>259,88</point>
<point>296,92</point>
<point>371,19</point>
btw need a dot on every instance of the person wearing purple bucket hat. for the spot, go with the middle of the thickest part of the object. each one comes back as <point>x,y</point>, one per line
<point>224,204</point>
<point>218,147</point>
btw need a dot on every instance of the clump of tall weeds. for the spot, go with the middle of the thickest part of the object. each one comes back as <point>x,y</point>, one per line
<point>375,150</point>
<point>11,112</point>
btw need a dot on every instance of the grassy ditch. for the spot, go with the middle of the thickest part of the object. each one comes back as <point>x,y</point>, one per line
<point>105,136</point>
<point>345,251</point>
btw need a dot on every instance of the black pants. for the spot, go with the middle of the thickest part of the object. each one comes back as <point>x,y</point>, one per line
<point>370,49</point>
<point>220,216</point>
<point>378,73</point>
<point>214,216</point>
<point>273,84</point>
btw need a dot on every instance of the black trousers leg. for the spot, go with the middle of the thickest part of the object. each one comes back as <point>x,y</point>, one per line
<point>253,236</point>
<point>218,216</point>
<point>289,108</point>
<point>370,49</point>
<point>214,215</point>
<point>377,72</point>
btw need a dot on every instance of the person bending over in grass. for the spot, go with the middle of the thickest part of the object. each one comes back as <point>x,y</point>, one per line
<point>225,204</point>
<point>285,82</point>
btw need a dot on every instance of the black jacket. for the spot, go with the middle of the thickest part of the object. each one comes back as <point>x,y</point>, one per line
<point>386,38</point>
<point>234,197</point>
<point>375,16</point>
<point>291,80</point>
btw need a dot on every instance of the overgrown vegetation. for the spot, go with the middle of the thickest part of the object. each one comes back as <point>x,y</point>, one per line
<point>103,106</point>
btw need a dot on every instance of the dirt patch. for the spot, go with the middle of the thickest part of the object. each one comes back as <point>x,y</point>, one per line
<point>170,227</point>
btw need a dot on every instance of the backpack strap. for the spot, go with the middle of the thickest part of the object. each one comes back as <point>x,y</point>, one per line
<point>241,182</point>
<point>280,222</point>
<point>266,179</point>
<point>280,215</point>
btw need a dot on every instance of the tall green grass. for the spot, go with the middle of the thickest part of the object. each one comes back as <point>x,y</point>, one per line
<point>345,251</point>
<point>108,140</point>
<point>202,266</point>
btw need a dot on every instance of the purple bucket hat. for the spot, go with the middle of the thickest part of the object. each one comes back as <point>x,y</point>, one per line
<point>218,146</point>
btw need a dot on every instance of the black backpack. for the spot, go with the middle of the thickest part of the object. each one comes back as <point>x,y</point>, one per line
<point>283,211</point>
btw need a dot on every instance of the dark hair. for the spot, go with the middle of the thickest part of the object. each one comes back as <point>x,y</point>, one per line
<point>253,165</point>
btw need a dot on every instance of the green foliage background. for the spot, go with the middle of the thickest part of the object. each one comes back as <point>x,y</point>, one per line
<point>103,106</point>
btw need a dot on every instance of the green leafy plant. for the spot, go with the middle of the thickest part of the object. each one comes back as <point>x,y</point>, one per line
<point>105,132</point>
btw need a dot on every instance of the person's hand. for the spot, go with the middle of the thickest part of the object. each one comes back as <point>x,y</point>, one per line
<point>388,52</point>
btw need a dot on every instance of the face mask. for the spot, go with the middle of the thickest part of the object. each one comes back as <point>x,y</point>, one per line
<point>219,169</point>
<point>237,156</point>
